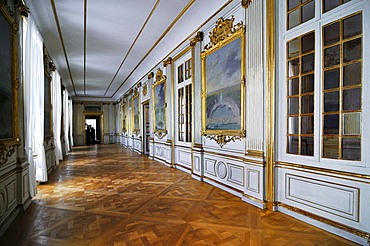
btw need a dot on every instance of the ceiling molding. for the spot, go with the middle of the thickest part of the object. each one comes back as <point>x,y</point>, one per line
<point>157,42</point>
<point>62,42</point>
<point>132,45</point>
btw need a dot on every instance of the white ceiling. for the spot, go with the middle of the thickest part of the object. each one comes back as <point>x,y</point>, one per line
<point>102,47</point>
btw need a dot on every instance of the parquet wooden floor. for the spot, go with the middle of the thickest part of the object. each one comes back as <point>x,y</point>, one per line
<point>108,195</point>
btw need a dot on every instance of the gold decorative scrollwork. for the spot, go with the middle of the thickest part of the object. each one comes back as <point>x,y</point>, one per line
<point>136,132</point>
<point>135,92</point>
<point>245,3</point>
<point>160,134</point>
<point>167,62</point>
<point>196,39</point>
<point>150,75</point>
<point>223,29</point>
<point>5,152</point>
<point>222,140</point>
<point>159,77</point>
<point>145,89</point>
<point>23,8</point>
<point>6,7</point>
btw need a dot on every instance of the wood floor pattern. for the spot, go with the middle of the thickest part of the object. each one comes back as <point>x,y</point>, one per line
<point>108,195</point>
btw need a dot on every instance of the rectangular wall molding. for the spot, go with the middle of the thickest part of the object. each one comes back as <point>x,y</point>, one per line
<point>332,198</point>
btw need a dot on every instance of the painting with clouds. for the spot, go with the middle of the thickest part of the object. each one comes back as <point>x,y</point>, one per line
<point>159,104</point>
<point>223,87</point>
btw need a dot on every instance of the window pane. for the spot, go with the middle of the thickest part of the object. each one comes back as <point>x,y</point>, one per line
<point>330,4</point>
<point>307,146</point>
<point>352,124</point>
<point>331,124</point>
<point>351,148</point>
<point>293,106</point>
<point>293,19</point>
<point>293,145</point>
<point>307,124</point>
<point>293,67</point>
<point>308,43</point>
<point>352,26</point>
<point>352,74</point>
<point>293,125</point>
<point>331,33</point>
<point>352,99</point>
<point>352,50</point>
<point>293,87</point>
<point>292,4</point>
<point>308,63</point>
<point>331,101</point>
<point>293,48</point>
<point>330,147</point>
<point>332,56</point>
<point>307,83</point>
<point>308,11</point>
<point>180,77</point>
<point>331,79</point>
<point>307,104</point>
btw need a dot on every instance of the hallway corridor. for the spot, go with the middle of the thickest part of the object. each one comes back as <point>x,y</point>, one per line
<point>108,195</point>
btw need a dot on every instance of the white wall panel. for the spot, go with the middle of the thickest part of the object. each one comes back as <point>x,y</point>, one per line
<point>236,174</point>
<point>184,158</point>
<point>332,198</point>
<point>11,196</point>
<point>209,166</point>
<point>253,177</point>
<point>196,164</point>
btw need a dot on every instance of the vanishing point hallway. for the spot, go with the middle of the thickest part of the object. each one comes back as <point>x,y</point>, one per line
<point>108,195</point>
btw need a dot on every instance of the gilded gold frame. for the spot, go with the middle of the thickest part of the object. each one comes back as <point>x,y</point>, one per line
<point>124,117</point>
<point>135,131</point>
<point>15,139</point>
<point>232,33</point>
<point>48,107</point>
<point>159,79</point>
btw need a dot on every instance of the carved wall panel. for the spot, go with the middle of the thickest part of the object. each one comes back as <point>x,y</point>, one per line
<point>183,157</point>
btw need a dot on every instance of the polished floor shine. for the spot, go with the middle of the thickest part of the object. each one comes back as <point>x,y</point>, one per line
<point>108,195</point>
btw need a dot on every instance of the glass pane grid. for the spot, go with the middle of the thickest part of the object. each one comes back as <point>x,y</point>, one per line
<point>185,113</point>
<point>299,12</point>
<point>181,114</point>
<point>342,88</point>
<point>188,69</point>
<point>188,107</point>
<point>300,95</point>
<point>180,73</point>
<point>331,4</point>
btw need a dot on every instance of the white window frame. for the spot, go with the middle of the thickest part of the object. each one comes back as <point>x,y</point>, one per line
<point>177,86</point>
<point>316,24</point>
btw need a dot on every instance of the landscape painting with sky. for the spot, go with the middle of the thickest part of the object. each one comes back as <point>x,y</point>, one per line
<point>223,87</point>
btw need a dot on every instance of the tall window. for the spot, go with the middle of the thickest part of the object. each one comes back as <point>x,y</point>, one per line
<point>321,81</point>
<point>184,101</point>
<point>300,95</point>
<point>342,85</point>
<point>185,113</point>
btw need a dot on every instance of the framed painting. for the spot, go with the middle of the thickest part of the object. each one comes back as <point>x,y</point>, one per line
<point>47,106</point>
<point>8,81</point>
<point>159,104</point>
<point>135,114</point>
<point>124,117</point>
<point>223,85</point>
